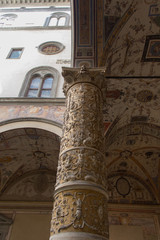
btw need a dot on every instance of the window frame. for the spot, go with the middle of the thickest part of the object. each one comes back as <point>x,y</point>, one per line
<point>40,87</point>
<point>42,72</point>
<point>14,49</point>
<point>57,44</point>
<point>58,15</point>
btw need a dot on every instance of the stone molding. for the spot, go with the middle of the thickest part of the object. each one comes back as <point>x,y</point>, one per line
<point>12,3</point>
<point>23,100</point>
<point>81,185</point>
<point>77,236</point>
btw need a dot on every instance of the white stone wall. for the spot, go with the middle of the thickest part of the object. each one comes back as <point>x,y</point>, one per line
<point>13,71</point>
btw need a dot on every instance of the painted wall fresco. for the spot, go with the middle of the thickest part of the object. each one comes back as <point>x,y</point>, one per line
<point>133,153</point>
<point>128,39</point>
<point>28,159</point>
<point>41,111</point>
<point>37,186</point>
<point>113,11</point>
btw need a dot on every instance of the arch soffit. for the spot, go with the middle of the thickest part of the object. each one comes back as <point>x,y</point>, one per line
<point>32,123</point>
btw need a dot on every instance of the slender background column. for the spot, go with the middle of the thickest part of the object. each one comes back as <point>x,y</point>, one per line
<point>80,207</point>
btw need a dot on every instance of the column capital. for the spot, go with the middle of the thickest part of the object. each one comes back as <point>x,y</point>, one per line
<point>95,76</point>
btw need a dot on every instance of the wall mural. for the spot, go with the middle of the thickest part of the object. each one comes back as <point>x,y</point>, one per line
<point>28,163</point>
<point>113,11</point>
<point>15,111</point>
<point>130,39</point>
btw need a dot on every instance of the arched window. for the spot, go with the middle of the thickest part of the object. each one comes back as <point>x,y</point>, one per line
<point>58,19</point>
<point>40,87</point>
<point>40,82</point>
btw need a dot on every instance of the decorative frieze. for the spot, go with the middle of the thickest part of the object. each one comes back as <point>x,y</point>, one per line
<point>81,164</point>
<point>83,125</point>
<point>32,2</point>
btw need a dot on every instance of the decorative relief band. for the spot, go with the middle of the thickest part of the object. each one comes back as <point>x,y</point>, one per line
<point>82,147</point>
<point>80,184</point>
<point>80,210</point>
<point>81,164</point>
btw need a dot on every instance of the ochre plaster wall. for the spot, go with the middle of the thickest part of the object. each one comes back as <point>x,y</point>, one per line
<point>35,226</point>
<point>126,232</point>
<point>31,226</point>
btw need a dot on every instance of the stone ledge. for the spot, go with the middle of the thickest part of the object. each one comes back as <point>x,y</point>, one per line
<point>12,3</point>
<point>56,101</point>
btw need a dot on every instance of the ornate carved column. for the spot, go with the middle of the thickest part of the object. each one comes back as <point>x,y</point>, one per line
<point>80,206</point>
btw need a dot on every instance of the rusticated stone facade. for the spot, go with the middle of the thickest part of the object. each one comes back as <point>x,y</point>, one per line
<point>80,206</point>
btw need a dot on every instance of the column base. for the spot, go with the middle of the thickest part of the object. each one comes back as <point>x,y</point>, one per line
<point>77,236</point>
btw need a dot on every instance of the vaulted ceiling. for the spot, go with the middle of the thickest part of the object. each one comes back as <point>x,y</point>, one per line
<point>131,55</point>
<point>28,164</point>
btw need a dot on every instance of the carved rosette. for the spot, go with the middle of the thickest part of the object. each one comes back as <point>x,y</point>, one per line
<point>80,210</point>
<point>80,196</point>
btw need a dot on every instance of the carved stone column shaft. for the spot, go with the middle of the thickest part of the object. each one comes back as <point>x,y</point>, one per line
<point>80,208</point>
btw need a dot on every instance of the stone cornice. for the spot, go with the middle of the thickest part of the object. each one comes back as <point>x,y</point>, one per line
<point>35,28</point>
<point>55,101</point>
<point>13,3</point>
<point>25,206</point>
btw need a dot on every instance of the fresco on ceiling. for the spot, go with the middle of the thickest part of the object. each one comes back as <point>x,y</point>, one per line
<point>131,100</point>
<point>26,150</point>
<point>154,13</point>
<point>126,52</point>
<point>134,151</point>
<point>128,188</point>
<point>35,186</point>
<point>113,11</point>
<point>149,224</point>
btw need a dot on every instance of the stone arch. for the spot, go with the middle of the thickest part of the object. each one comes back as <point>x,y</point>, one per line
<point>31,123</point>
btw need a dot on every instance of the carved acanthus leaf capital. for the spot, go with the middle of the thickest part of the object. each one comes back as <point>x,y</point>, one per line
<point>95,76</point>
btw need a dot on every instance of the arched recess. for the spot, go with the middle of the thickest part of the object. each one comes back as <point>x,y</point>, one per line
<point>29,150</point>
<point>134,148</point>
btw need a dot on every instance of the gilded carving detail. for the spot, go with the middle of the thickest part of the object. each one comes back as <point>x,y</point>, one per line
<point>82,164</point>
<point>80,210</point>
<point>83,124</point>
<point>82,143</point>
